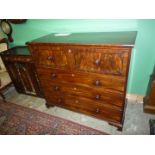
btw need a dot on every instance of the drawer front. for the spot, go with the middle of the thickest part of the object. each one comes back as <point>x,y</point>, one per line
<point>106,97</point>
<point>89,80</point>
<point>53,56</point>
<point>85,106</point>
<point>106,60</point>
<point>17,58</point>
<point>102,60</point>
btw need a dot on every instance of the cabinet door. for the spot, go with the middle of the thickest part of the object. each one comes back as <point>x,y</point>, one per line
<point>152,94</point>
<point>30,72</point>
<point>24,78</point>
<point>13,70</point>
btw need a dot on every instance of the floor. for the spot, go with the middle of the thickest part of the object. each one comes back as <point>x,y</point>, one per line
<point>136,121</point>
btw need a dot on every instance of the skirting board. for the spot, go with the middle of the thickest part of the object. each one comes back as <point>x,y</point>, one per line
<point>135,98</point>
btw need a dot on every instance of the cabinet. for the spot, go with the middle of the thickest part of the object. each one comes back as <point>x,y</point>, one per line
<point>22,71</point>
<point>85,72</point>
<point>149,100</point>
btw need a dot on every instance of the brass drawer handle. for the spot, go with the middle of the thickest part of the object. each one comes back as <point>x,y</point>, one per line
<point>54,75</point>
<point>98,97</point>
<point>74,88</point>
<point>56,88</point>
<point>97,110</point>
<point>50,58</point>
<point>97,82</point>
<point>76,101</point>
<point>59,100</point>
<point>69,51</point>
<point>98,62</point>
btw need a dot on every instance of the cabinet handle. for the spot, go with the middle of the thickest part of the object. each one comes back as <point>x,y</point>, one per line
<point>98,62</point>
<point>50,58</point>
<point>76,101</point>
<point>97,110</point>
<point>74,88</point>
<point>97,82</point>
<point>56,88</point>
<point>73,75</point>
<point>69,51</point>
<point>98,96</point>
<point>59,100</point>
<point>53,75</point>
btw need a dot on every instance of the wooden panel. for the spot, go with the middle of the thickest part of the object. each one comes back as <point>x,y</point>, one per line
<point>84,105</point>
<point>25,78</point>
<point>55,57</point>
<point>152,93</point>
<point>90,80</point>
<point>17,58</point>
<point>107,60</point>
<point>149,100</point>
<point>102,60</point>
<point>107,97</point>
<point>15,76</point>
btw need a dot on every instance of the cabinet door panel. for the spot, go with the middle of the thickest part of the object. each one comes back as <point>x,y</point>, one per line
<point>24,77</point>
<point>14,73</point>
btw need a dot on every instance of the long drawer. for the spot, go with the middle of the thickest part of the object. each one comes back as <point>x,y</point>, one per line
<point>106,97</point>
<point>89,80</point>
<point>84,105</point>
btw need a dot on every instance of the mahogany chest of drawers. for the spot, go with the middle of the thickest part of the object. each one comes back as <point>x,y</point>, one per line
<point>85,72</point>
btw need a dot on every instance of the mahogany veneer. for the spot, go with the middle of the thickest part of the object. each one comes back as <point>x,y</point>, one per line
<point>85,72</point>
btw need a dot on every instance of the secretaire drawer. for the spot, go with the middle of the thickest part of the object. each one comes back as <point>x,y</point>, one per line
<point>105,60</point>
<point>89,80</point>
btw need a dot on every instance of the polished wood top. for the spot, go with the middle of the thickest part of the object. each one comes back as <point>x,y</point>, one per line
<point>112,38</point>
<point>18,50</point>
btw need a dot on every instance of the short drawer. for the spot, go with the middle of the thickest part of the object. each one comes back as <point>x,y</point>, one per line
<point>53,56</point>
<point>106,60</point>
<point>86,106</point>
<point>106,97</point>
<point>89,80</point>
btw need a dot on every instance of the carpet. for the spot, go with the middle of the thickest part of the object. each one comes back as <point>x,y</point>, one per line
<point>19,120</point>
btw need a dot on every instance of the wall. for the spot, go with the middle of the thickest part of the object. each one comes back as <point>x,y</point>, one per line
<point>36,28</point>
<point>143,56</point>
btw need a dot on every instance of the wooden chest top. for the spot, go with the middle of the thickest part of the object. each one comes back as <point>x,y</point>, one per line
<point>108,38</point>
